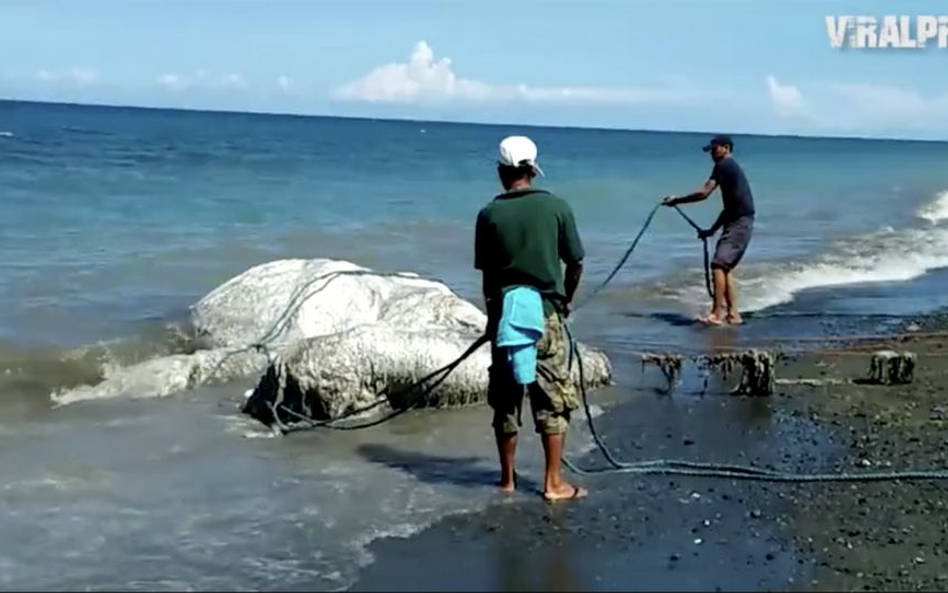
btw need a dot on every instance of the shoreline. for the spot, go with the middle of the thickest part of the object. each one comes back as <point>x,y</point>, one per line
<point>693,533</point>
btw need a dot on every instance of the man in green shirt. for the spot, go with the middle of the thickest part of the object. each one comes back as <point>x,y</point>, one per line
<point>522,238</point>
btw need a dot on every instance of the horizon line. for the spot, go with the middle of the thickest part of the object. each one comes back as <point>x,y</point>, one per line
<point>260,113</point>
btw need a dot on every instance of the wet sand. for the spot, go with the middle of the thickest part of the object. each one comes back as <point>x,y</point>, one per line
<point>672,533</point>
<point>882,535</point>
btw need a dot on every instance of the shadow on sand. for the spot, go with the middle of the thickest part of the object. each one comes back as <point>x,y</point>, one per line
<point>433,469</point>
<point>671,318</point>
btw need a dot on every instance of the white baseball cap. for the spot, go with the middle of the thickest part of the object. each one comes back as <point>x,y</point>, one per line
<point>519,150</point>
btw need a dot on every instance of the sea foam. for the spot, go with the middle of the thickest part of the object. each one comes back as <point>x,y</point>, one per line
<point>886,255</point>
<point>936,210</point>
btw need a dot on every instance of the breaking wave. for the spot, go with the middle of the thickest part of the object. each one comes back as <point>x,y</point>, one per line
<point>936,210</point>
<point>887,255</point>
<point>46,371</point>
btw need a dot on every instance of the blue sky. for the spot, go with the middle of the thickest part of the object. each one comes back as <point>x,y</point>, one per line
<point>763,66</point>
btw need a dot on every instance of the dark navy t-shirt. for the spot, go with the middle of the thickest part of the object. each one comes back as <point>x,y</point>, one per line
<point>735,191</point>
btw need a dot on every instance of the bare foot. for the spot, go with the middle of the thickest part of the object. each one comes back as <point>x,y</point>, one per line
<point>711,319</point>
<point>507,486</point>
<point>734,319</point>
<point>565,492</point>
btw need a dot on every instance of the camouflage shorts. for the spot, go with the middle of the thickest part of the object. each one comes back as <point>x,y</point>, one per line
<point>553,396</point>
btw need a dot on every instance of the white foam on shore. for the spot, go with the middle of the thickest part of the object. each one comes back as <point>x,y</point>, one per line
<point>936,210</point>
<point>887,255</point>
<point>165,375</point>
<point>884,256</point>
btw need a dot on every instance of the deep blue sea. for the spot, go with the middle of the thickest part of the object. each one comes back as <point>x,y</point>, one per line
<point>113,221</point>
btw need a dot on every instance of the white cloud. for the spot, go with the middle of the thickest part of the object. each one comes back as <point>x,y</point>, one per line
<point>200,79</point>
<point>83,76</point>
<point>173,82</point>
<point>786,99</point>
<point>76,76</point>
<point>284,83</point>
<point>892,102</point>
<point>862,108</point>
<point>235,80</point>
<point>423,79</point>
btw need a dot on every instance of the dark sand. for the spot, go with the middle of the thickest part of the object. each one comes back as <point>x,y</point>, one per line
<point>671,533</point>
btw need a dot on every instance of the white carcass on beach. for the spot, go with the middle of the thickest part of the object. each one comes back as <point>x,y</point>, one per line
<point>328,336</point>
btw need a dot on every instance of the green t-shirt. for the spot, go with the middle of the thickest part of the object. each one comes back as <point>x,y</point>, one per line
<point>522,238</point>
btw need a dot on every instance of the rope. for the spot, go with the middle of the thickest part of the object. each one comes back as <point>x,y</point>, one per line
<point>704,241</point>
<point>331,423</point>
<point>297,299</point>
<point>622,260</point>
<point>653,467</point>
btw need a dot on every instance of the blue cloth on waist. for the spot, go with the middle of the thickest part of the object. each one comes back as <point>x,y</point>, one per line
<point>521,326</point>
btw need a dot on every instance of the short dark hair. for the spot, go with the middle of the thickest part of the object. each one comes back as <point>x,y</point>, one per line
<point>509,173</point>
<point>719,140</point>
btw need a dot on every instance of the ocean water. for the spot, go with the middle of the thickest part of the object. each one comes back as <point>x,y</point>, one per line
<point>115,220</point>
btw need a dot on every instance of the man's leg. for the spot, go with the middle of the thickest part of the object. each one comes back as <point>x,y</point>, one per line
<point>731,249</point>
<point>507,449</point>
<point>716,315</point>
<point>553,445</point>
<point>552,398</point>
<point>554,486</point>
<point>720,295</point>
<point>733,315</point>
<point>505,397</point>
<point>727,254</point>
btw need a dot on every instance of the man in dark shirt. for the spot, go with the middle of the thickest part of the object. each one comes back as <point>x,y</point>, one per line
<point>737,220</point>
<point>522,238</point>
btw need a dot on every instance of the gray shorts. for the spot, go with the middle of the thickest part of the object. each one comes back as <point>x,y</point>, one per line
<point>733,243</point>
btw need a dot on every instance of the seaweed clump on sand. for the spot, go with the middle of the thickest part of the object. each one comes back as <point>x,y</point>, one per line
<point>888,367</point>
<point>669,364</point>
<point>757,368</point>
<point>758,374</point>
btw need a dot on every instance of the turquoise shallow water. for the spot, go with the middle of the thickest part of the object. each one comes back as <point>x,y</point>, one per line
<point>115,220</point>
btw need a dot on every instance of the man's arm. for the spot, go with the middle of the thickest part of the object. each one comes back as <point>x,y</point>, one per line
<point>480,242</point>
<point>717,224</point>
<point>572,253</point>
<point>481,257</point>
<point>696,196</point>
<point>487,287</point>
<point>574,272</point>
